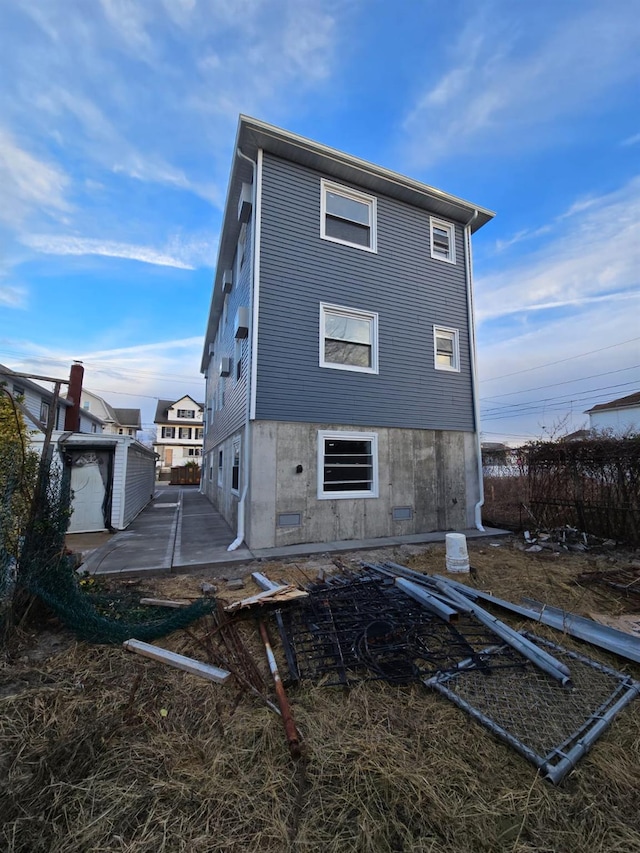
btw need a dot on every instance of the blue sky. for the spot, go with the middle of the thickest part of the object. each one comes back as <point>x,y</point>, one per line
<point>117,123</point>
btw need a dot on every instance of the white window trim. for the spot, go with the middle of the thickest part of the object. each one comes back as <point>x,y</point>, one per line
<point>355,195</point>
<point>455,337</point>
<point>353,436</point>
<point>446,226</point>
<point>220,479</point>
<point>236,443</point>
<point>356,313</point>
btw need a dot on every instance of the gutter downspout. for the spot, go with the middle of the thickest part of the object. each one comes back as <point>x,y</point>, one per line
<point>237,542</point>
<point>474,370</point>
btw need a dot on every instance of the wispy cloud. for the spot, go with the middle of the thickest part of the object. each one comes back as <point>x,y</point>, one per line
<point>12,296</point>
<point>28,183</point>
<point>631,140</point>
<point>594,254</point>
<point>513,83</point>
<point>60,245</point>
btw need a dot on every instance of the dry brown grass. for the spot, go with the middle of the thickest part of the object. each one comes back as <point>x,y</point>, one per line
<point>89,763</point>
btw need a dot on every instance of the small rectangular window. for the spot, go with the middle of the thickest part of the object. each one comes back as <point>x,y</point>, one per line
<point>348,216</point>
<point>199,433</point>
<point>235,466</point>
<point>347,465</point>
<point>44,412</point>
<point>220,466</point>
<point>186,413</point>
<point>443,243</point>
<point>168,432</point>
<point>238,360</point>
<point>184,432</point>
<point>348,339</point>
<point>446,349</point>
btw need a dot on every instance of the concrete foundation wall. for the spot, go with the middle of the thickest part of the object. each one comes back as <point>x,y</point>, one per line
<point>223,499</point>
<point>432,472</point>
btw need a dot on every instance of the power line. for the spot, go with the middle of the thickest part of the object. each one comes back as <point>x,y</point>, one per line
<point>564,382</point>
<point>560,360</point>
<point>577,398</point>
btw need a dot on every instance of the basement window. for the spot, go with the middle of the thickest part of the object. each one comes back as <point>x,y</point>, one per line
<point>443,244</point>
<point>446,348</point>
<point>235,466</point>
<point>347,465</point>
<point>348,339</point>
<point>348,217</point>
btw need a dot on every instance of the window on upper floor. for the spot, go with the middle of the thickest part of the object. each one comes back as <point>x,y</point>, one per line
<point>220,466</point>
<point>168,432</point>
<point>186,413</point>
<point>238,359</point>
<point>44,412</point>
<point>348,216</point>
<point>199,433</point>
<point>446,348</point>
<point>348,338</point>
<point>18,391</point>
<point>184,432</point>
<point>347,465</point>
<point>443,242</point>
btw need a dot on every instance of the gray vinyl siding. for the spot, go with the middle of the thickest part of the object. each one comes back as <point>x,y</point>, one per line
<point>223,422</point>
<point>410,291</point>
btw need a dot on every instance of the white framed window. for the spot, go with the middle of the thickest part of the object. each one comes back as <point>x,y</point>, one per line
<point>199,433</point>
<point>168,432</point>
<point>220,467</point>
<point>348,216</point>
<point>186,413</point>
<point>184,432</point>
<point>235,465</point>
<point>443,240</point>
<point>347,465</point>
<point>44,412</point>
<point>446,348</point>
<point>348,338</point>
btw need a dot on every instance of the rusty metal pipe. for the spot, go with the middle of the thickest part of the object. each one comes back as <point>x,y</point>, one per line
<point>293,738</point>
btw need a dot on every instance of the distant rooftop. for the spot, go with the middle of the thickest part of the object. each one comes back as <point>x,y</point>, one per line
<point>621,403</point>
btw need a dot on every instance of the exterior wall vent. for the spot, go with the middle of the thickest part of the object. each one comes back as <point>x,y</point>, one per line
<point>227,281</point>
<point>244,203</point>
<point>225,366</point>
<point>241,329</point>
<point>289,519</point>
<point>402,513</point>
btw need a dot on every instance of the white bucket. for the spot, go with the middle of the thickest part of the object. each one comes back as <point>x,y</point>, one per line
<point>457,556</point>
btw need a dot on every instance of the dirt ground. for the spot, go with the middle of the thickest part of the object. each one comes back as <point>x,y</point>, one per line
<point>103,750</point>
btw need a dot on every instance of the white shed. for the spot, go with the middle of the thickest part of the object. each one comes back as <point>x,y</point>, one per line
<point>112,478</point>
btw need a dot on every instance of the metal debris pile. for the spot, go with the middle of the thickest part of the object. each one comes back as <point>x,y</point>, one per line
<point>559,539</point>
<point>385,622</point>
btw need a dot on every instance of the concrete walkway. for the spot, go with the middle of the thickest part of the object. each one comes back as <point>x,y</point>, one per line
<point>180,531</point>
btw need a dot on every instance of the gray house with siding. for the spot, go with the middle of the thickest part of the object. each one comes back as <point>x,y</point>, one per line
<point>339,352</point>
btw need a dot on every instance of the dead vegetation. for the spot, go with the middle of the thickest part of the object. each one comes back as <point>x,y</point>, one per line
<point>105,751</point>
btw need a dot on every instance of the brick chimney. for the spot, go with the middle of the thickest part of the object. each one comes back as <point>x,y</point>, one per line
<point>72,415</point>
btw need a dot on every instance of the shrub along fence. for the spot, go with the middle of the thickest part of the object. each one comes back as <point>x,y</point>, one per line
<point>593,485</point>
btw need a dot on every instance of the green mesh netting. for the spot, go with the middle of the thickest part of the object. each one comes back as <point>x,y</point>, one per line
<point>46,570</point>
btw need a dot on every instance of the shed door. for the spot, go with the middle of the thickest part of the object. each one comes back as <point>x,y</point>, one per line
<point>89,487</point>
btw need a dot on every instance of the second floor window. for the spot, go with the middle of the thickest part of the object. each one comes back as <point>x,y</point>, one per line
<point>168,432</point>
<point>184,432</point>
<point>348,339</point>
<point>447,349</point>
<point>44,412</point>
<point>348,216</point>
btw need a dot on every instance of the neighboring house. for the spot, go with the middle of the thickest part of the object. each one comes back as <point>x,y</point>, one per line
<point>116,421</point>
<point>112,476</point>
<point>35,398</point>
<point>179,436</point>
<point>339,352</point>
<point>619,416</point>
